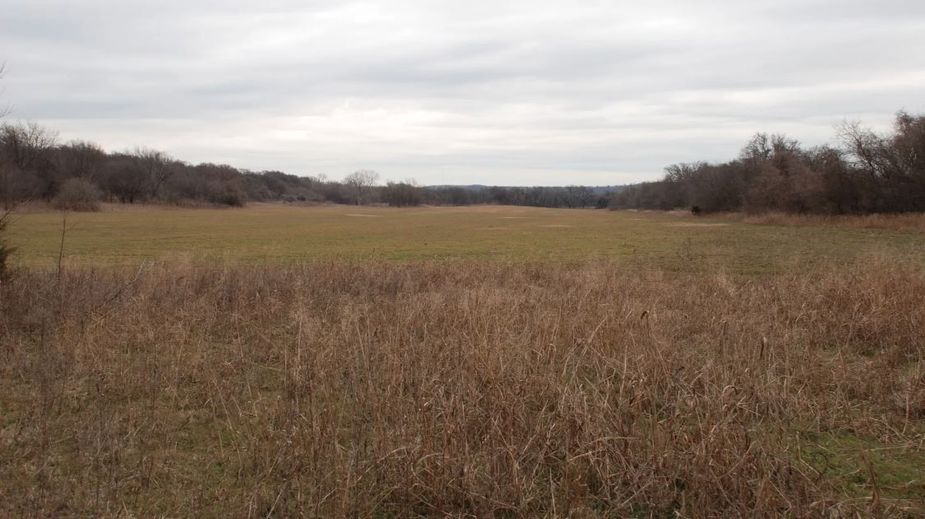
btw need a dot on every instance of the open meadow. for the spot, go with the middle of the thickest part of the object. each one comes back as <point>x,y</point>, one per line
<point>284,361</point>
<point>286,234</point>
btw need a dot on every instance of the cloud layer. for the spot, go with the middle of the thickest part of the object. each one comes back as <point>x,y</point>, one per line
<point>515,92</point>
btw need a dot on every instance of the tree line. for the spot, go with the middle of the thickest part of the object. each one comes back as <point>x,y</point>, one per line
<point>865,173</point>
<point>80,175</point>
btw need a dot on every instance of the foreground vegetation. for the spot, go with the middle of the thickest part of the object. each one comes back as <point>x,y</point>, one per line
<point>389,389</point>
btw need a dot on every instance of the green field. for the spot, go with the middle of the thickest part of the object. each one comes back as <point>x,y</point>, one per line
<point>287,234</point>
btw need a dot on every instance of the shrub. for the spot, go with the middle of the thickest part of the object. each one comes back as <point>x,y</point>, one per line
<point>77,194</point>
<point>231,198</point>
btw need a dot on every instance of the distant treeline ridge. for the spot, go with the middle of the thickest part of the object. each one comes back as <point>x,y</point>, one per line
<point>866,173</point>
<point>78,175</point>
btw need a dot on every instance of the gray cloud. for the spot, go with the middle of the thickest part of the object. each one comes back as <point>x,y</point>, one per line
<point>541,92</point>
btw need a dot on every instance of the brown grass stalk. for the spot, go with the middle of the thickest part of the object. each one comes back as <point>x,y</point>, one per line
<point>376,389</point>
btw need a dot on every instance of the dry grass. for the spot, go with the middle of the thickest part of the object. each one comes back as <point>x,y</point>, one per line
<point>381,389</point>
<point>893,222</point>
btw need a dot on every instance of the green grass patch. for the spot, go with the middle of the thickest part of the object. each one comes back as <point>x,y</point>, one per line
<point>860,467</point>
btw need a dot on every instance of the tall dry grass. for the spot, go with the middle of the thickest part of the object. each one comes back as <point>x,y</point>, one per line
<point>892,222</point>
<point>468,389</point>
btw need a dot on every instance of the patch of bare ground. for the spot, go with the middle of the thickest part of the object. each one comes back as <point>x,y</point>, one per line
<point>379,389</point>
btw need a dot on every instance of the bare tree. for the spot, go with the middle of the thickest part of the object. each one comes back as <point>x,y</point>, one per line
<point>121,177</point>
<point>154,166</point>
<point>863,146</point>
<point>403,194</point>
<point>25,161</point>
<point>80,159</point>
<point>360,182</point>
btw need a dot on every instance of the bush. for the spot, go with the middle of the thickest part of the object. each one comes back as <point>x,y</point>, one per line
<point>231,198</point>
<point>77,194</point>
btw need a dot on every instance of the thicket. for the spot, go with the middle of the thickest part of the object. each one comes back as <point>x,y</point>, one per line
<point>866,173</point>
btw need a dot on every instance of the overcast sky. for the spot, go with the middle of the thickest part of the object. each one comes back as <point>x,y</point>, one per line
<point>458,92</point>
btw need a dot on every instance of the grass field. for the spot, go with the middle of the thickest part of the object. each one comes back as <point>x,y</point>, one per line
<point>287,234</point>
<point>468,362</point>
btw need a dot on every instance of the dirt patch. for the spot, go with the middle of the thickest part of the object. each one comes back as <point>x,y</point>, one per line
<point>515,217</point>
<point>358,215</point>
<point>557,226</point>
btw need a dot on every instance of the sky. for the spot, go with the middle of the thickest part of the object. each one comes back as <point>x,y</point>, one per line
<point>506,92</point>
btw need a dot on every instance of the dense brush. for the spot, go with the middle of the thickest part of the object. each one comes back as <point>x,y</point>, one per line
<point>377,389</point>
